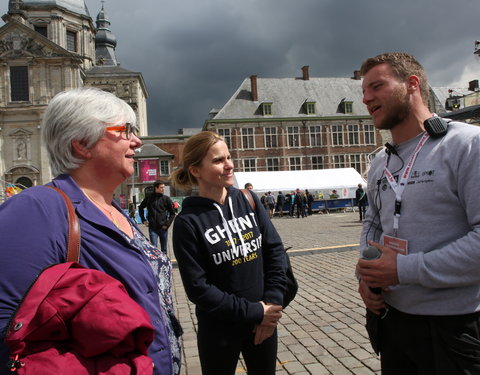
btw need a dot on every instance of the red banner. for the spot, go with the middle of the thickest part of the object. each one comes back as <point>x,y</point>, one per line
<point>148,170</point>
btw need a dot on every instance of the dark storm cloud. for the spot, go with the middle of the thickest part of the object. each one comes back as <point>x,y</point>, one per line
<point>193,54</point>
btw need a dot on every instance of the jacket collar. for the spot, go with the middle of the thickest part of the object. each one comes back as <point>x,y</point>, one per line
<point>83,206</point>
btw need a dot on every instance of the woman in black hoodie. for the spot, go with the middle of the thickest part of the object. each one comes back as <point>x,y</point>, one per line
<point>231,261</point>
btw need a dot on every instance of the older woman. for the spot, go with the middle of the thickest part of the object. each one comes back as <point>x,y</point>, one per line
<point>90,138</point>
<point>231,261</point>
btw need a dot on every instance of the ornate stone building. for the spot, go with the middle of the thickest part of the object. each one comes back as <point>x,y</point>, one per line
<point>47,47</point>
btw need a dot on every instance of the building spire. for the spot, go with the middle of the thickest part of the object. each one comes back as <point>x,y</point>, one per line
<point>105,41</point>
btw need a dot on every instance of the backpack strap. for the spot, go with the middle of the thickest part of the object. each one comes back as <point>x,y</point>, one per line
<point>249,197</point>
<point>73,248</point>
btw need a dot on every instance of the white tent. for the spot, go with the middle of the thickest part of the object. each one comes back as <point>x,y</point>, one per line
<point>344,180</point>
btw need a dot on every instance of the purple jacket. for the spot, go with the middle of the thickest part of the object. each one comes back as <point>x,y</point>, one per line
<point>33,235</point>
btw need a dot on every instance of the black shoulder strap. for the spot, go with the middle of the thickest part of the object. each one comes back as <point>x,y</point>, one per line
<point>73,248</point>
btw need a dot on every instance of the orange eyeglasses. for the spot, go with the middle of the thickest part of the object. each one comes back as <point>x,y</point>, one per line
<point>128,129</point>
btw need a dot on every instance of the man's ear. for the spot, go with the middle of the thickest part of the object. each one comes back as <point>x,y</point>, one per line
<point>413,83</point>
<point>80,150</point>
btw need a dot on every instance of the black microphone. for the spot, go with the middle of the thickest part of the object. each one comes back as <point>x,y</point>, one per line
<point>372,253</point>
<point>390,149</point>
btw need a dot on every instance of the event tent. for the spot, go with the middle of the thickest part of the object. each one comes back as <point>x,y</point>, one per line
<point>344,180</point>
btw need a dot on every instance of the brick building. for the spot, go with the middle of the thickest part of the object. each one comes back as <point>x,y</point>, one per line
<point>277,124</point>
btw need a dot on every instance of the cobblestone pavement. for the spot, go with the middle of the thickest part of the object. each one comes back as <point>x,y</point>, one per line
<point>322,331</point>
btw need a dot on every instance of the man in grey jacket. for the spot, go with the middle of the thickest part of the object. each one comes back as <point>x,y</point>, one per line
<point>424,217</point>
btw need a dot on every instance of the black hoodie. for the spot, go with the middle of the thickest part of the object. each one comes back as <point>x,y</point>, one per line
<point>226,275</point>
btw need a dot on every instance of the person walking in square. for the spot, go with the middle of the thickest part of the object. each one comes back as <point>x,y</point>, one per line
<point>361,198</point>
<point>160,215</point>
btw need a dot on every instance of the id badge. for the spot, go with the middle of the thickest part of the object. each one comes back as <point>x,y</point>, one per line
<point>397,244</point>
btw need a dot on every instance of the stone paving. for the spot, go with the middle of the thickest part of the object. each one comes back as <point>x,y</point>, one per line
<point>322,331</point>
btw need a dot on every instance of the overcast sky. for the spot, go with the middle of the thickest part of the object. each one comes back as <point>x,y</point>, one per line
<point>194,54</point>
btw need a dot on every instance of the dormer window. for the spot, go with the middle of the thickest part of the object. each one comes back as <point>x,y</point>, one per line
<point>348,107</point>
<point>267,108</point>
<point>345,106</point>
<point>310,107</point>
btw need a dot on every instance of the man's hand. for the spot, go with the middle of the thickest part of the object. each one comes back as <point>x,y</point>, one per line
<point>145,223</point>
<point>374,302</point>
<point>382,272</point>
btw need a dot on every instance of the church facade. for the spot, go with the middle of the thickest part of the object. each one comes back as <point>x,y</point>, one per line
<point>47,47</point>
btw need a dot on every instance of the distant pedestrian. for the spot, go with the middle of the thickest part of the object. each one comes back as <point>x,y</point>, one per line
<point>248,186</point>
<point>334,194</point>
<point>309,198</point>
<point>160,215</point>
<point>132,212</point>
<point>263,199</point>
<point>270,203</point>
<point>292,204</point>
<point>361,201</point>
<point>280,203</point>
<point>176,206</point>
<point>299,201</point>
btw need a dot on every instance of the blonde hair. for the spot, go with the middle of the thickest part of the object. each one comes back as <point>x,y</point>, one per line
<point>193,153</point>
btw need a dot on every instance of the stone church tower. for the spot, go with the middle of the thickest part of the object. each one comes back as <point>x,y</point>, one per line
<point>47,47</point>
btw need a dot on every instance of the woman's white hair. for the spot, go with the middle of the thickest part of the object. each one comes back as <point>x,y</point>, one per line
<point>80,115</point>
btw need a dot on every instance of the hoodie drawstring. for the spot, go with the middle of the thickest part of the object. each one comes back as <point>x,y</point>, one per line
<point>227,227</point>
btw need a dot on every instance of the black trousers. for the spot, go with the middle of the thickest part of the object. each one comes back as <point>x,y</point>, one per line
<point>429,345</point>
<point>219,347</point>
<point>362,209</point>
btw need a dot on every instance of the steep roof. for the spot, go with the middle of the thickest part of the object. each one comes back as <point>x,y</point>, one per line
<point>288,96</point>
<point>150,150</point>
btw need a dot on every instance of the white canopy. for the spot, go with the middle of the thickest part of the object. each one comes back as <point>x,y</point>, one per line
<point>344,180</point>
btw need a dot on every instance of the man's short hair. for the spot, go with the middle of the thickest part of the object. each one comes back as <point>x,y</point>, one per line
<point>157,183</point>
<point>403,65</point>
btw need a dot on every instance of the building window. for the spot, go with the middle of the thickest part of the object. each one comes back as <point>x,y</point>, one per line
<point>355,162</point>
<point>353,135</point>
<point>339,161</point>
<point>271,138</point>
<point>41,30</point>
<point>310,108</point>
<point>293,136</point>
<point>247,138</point>
<point>19,83</point>
<point>71,41</point>
<point>273,165</point>
<point>348,107</point>
<point>315,135</point>
<point>164,168</point>
<point>249,165</point>
<point>225,133</point>
<point>369,134</point>
<point>267,109</point>
<point>337,135</point>
<point>317,162</point>
<point>295,163</point>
